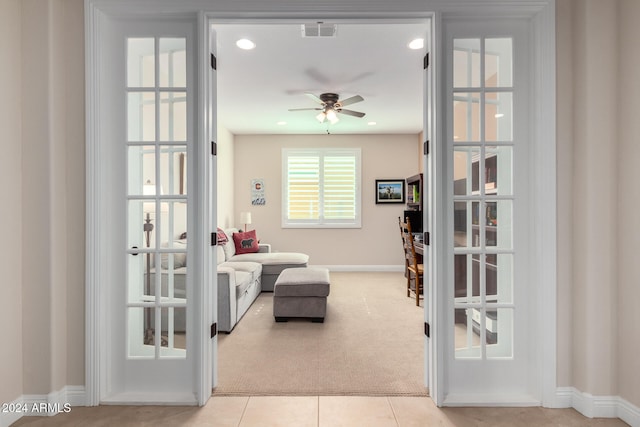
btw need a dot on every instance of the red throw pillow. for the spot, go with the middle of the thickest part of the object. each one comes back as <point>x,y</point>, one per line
<point>246,242</point>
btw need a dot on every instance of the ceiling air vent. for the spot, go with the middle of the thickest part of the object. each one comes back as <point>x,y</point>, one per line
<point>319,29</point>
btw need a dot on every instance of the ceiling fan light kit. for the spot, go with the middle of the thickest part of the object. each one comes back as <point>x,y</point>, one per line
<point>330,104</point>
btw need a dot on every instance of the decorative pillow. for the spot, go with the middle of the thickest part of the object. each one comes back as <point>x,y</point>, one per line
<point>222,237</point>
<point>230,249</point>
<point>246,242</point>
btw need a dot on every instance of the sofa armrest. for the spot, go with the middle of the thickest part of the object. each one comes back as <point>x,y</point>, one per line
<point>227,302</point>
<point>264,247</point>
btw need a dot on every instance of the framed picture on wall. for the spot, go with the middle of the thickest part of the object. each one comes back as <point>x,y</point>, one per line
<point>390,191</point>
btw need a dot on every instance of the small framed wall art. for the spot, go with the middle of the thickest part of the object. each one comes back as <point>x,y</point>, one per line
<point>390,191</point>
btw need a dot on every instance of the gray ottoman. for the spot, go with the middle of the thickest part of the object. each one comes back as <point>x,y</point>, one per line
<point>301,292</point>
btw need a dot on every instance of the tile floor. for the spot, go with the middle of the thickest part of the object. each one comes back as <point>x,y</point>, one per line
<point>323,411</point>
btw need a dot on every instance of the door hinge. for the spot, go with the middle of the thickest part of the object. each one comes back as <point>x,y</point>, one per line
<point>426,61</point>
<point>426,147</point>
<point>214,148</point>
<point>214,239</point>
<point>214,62</point>
<point>426,238</point>
<point>427,330</point>
<point>214,329</point>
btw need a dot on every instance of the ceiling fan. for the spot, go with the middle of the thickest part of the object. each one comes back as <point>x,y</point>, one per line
<point>330,104</point>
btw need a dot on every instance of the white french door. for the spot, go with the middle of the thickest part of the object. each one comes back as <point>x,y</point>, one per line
<point>144,221</point>
<point>490,348</point>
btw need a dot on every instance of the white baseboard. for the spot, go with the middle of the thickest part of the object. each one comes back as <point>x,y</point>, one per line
<point>490,400</point>
<point>364,268</point>
<point>598,406</point>
<point>11,413</point>
<point>42,405</point>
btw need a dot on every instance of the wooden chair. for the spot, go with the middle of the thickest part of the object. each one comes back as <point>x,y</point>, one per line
<point>414,271</point>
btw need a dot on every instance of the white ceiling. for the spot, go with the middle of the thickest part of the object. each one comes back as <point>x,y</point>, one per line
<point>257,87</point>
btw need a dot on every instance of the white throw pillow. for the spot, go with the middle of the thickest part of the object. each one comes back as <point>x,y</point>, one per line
<point>179,259</point>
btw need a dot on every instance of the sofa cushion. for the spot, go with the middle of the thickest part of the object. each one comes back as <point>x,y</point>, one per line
<point>246,242</point>
<point>243,282</point>
<point>272,258</point>
<point>220,257</point>
<point>253,268</point>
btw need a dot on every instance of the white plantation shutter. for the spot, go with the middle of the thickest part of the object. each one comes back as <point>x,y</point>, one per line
<point>339,187</point>
<point>303,189</point>
<point>321,188</point>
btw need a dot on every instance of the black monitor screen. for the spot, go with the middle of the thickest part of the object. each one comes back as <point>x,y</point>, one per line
<point>415,218</point>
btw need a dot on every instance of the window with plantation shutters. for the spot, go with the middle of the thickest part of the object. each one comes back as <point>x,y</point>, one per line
<point>321,188</point>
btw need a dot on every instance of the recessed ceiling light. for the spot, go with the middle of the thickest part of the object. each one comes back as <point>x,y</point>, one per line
<point>372,123</point>
<point>245,44</point>
<point>498,115</point>
<point>281,123</point>
<point>416,44</point>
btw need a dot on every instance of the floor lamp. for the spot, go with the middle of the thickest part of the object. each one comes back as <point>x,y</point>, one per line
<point>148,228</point>
<point>149,208</point>
<point>148,189</point>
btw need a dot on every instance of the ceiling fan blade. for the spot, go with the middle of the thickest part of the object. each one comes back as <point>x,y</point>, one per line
<point>304,109</point>
<point>314,97</point>
<point>352,100</point>
<point>350,112</point>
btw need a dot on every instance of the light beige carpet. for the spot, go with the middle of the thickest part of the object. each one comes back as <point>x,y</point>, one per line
<point>370,344</point>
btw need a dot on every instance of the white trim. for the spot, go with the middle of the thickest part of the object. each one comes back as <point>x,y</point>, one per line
<point>438,220</point>
<point>205,358</point>
<point>597,406</point>
<point>151,398</point>
<point>8,418</point>
<point>93,214</point>
<point>364,268</point>
<point>544,193</point>
<point>490,400</point>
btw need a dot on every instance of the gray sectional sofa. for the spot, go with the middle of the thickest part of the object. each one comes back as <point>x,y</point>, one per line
<point>241,277</point>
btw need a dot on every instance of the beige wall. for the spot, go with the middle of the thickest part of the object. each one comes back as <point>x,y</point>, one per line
<point>598,128</point>
<point>376,243</point>
<point>11,205</point>
<point>224,173</point>
<point>74,134</point>
<point>628,233</point>
<point>45,166</point>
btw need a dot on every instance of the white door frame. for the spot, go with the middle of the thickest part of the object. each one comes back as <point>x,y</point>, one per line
<point>542,13</point>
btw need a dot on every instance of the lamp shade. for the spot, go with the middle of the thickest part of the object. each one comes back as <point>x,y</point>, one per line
<point>149,189</point>
<point>245,217</point>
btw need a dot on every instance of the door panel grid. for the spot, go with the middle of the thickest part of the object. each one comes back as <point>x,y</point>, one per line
<point>483,197</point>
<point>156,103</point>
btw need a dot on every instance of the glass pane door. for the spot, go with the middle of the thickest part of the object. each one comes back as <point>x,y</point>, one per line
<point>157,267</point>
<point>483,198</point>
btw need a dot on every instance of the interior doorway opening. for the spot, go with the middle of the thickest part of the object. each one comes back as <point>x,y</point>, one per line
<point>325,77</point>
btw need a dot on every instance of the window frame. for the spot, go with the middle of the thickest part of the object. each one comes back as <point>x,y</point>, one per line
<point>321,222</point>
